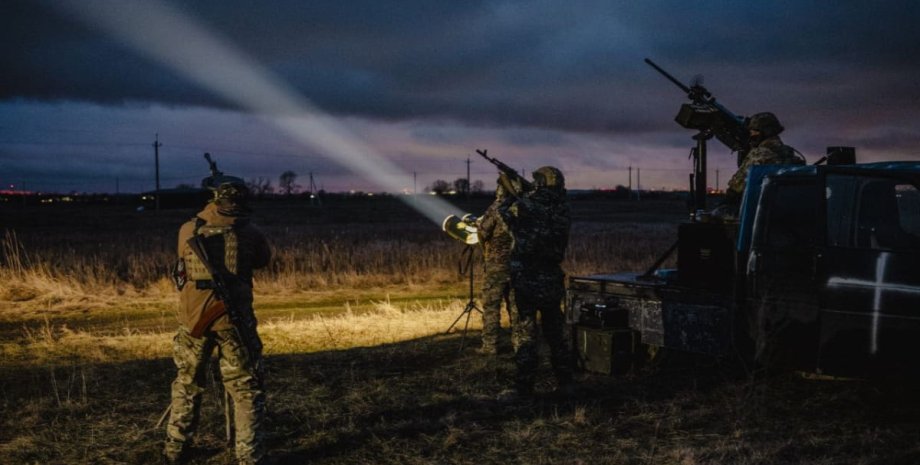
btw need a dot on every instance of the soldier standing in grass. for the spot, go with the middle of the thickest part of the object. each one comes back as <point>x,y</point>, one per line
<point>539,221</point>
<point>235,248</point>
<point>496,286</point>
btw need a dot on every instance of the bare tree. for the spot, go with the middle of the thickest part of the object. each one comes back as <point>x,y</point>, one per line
<point>439,187</point>
<point>260,186</point>
<point>462,185</point>
<point>478,186</point>
<point>286,183</point>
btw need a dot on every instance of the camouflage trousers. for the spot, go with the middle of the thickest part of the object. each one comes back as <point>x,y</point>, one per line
<point>496,288</point>
<point>540,291</point>
<point>241,373</point>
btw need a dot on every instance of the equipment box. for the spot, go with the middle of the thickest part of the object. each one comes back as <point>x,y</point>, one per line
<point>607,351</point>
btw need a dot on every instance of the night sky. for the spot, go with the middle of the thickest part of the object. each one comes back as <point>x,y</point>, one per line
<point>425,83</point>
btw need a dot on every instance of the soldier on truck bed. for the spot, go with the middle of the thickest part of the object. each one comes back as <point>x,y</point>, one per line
<point>766,148</point>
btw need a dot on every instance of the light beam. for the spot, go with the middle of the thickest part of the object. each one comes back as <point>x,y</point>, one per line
<point>166,35</point>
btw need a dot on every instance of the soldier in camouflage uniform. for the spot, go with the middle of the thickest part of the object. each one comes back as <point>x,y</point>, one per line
<point>236,247</point>
<point>496,287</point>
<point>539,221</point>
<point>766,148</point>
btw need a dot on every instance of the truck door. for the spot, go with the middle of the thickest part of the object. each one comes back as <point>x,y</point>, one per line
<point>781,303</point>
<point>870,282</point>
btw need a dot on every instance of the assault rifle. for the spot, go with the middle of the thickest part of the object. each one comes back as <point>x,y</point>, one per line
<point>223,304</point>
<point>513,182</point>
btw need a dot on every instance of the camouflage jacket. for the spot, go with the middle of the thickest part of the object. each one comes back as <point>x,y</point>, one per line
<point>494,235</point>
<point>539,222</point>
<point>252,251</point>
<point>769,151</point>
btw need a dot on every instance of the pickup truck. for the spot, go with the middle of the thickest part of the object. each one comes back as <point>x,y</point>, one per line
<point>821,272</point>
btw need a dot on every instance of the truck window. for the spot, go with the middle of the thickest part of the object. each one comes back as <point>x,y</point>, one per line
<point>792,215</point>
<point>872,212</point>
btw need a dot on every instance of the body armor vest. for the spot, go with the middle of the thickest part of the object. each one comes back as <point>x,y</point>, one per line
<point>221,246</point>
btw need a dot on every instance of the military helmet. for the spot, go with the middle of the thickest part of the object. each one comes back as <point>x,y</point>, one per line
<point>766,123</point>
<point>231,188</point>
<point>548,176</point>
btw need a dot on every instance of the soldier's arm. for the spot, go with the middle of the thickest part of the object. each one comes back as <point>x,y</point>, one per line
<point>486,223</point>
<point>737,183</point>
<point>185,233</point>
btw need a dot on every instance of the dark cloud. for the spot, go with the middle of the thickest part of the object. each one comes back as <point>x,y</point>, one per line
<point>555,78</point>
<point>547,64</point>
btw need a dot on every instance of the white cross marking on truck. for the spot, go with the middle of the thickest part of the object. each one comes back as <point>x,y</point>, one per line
<point>879,285</point>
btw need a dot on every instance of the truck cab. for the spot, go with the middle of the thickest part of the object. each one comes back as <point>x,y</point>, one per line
<point>817,274</point>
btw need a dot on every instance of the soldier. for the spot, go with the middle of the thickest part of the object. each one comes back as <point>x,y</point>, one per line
<point>236,248</point>
<point>766,148</point>
<point>496,287</point>
<point>539,221</point>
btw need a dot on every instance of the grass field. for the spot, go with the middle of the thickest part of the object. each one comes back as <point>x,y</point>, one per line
<point>352,313</point>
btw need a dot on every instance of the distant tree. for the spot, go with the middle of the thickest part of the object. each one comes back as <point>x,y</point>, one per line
<point>478,186</point>
<point>286,183</point>
<point>260,186</point>
<point>185,185</point>
<point>461,185</point>
<point>439,187</point>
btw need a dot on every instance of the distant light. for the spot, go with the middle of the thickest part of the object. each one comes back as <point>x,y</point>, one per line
<point>370,194</point>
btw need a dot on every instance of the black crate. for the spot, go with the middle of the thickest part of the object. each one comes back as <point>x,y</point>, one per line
<point>607,351</point>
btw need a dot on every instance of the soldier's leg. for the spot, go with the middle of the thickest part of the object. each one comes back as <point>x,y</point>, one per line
<point>191,357</point>
<point>492,296</point>
<point>240,369</point>
<point>524,338</point>
<point>553,324</point>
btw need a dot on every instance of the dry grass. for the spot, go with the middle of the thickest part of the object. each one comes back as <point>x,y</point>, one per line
<point>386,323</point>
<point>358,372</point>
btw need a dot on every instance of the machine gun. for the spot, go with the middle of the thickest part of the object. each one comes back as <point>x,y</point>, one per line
<point>710,118</point>
<point>513,182</point>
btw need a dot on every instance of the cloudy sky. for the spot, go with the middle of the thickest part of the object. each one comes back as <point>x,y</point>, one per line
<point>416,86</point>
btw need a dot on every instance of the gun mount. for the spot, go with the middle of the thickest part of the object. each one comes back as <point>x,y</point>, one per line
<point>711,119</point>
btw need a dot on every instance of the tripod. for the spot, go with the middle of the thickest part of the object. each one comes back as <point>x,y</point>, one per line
<point>466,268</point>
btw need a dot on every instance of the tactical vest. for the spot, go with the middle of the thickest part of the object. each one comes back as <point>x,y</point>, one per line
<point>221,245</point>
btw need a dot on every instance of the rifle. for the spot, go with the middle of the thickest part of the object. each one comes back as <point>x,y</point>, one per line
<point>508,177</point>
<point>224,304</point>
<point>708,116</point>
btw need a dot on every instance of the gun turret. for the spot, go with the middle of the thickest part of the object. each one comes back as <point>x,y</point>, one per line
<point>707,115</point>
<point>513,182</point>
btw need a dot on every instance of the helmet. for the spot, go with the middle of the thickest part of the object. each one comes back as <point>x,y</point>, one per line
<point>550,177</point>
<point>766,123</point>
<point>232,189</point>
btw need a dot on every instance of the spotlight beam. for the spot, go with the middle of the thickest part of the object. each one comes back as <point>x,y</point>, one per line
<point>166,35</point>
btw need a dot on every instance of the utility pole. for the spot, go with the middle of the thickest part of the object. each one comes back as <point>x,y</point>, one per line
<point>629,188</point>
<point>638,184</point>
<point>414,184</point>
<point>156,160</point>
<point>717,180</point>
<point>314,193</point>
